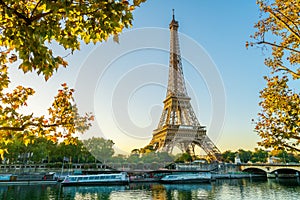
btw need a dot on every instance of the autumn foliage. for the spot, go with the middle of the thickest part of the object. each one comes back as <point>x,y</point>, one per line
<point>279,29</point>
<point>60,123</point>
<point>278,123</point>
<point>279,120</point>
<point>27,28</point>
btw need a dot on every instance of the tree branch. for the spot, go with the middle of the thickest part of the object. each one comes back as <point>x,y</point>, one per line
<point>9,128</point>
<point>294,74</point>
<point>279,46</point>
<point>27,20</point>
<point>286,25</point>
<point>295,25</point>
<point>35,8</point>
<point>291,147</point>
<point>24,126</point>
<point>39,16</point>
<point>296,137</point>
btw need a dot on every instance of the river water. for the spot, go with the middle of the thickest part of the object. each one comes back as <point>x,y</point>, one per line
<point>229,189</point>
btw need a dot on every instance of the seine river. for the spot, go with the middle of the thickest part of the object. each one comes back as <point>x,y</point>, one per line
<point>221,189</point>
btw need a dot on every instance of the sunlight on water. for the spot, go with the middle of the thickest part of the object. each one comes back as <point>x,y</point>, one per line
<point>130,195</point>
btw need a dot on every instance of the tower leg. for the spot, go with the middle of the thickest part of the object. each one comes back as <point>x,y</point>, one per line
<point>191,150</point>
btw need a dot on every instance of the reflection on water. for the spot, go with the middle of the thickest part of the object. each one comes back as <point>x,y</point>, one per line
<point>188,191</point>
<point>256,189</point>
<point>89,192</point>
<point>29,192</point>
<point>221,189</point>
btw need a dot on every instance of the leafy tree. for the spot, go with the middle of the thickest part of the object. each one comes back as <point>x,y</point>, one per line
<point>259,155</point>
<point>84,156</point>
<point>150,157</point>
<point>16,148</point>
<point>184,157</point>
<point>62,122</point>
<point>133,158</point>
<point>278,123</point>
<point>244,156</point>
<point>286,157</point>
<point>76,152</point>
<point>165,157</point>
<point>228,156</point>
<point>120,158</point>
<point>100,148</point>
<point>27,29</point>
<point>41,150</point>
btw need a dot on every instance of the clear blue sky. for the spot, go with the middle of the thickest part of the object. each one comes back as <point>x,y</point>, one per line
<point>137,79</point>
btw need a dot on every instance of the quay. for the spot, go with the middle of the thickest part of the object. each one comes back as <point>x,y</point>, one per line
<point>40,174</point>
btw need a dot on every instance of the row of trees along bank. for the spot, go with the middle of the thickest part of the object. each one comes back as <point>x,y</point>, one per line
<point>99,150</point>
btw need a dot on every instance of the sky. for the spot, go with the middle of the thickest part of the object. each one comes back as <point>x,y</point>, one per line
<point>124,84</point>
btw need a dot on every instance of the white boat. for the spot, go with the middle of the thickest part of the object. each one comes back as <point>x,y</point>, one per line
<point>5,177</point>
<point>97,179</point>
<point>187,178</point>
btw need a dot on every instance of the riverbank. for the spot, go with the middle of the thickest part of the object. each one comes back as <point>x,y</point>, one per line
<point>30,179</point>
<point>29,182</point>
<point>214,176</point>
<point>236,175</point>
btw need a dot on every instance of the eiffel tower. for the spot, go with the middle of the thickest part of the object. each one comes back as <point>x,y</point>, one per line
<point>178,125</point>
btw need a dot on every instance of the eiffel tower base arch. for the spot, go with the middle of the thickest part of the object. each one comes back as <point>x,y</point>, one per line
<point>185,138</point>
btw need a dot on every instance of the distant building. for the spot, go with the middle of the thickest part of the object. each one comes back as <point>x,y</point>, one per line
<point>273,159</point>
<point>237,160</point>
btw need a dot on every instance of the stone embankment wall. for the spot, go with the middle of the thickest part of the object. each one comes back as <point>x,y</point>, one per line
<point>58,168</point>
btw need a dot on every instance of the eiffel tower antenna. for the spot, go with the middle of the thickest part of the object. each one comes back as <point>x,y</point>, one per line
<point>178,125</point>
<point>173,14</point>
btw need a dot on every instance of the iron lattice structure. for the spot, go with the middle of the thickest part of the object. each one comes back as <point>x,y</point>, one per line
<point>178,125</point>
